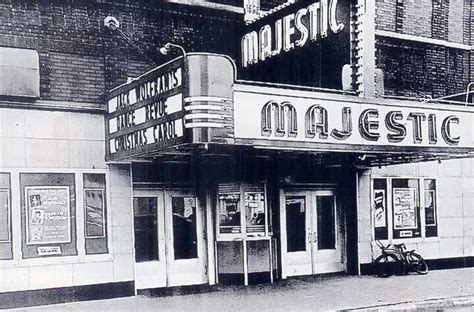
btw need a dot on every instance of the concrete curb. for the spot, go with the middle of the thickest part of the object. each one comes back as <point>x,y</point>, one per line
<point>425,305</point>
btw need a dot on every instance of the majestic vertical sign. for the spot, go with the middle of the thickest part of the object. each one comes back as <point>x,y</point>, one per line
<point>303,43</point>
<point>147,114</point>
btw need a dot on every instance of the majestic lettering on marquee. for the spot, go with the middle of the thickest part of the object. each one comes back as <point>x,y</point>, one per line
<point>280,110</point>
<point>280,119</point>
<point>313,23</point>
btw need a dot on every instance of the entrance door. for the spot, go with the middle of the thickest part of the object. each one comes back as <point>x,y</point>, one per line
<point>311,235</point>
<point>169,240</point>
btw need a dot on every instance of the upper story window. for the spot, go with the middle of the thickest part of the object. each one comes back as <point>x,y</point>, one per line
<point>19,73</point>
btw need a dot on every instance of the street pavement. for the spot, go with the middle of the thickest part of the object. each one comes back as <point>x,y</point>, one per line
<point>451,290</point>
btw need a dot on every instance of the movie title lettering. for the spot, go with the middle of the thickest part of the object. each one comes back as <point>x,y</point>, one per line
<point>126,120</point>
<point>159,85</point>
<point>165,131</point>
<point>155,110</point>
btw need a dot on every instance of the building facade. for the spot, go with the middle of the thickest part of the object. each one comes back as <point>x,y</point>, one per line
<point>125,170</point>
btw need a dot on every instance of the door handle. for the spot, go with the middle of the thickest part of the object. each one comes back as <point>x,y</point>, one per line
<point>315,237</point>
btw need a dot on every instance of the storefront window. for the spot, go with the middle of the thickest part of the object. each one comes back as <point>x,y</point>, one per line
<point>48,214</point>
<point>235,199</point>
<point>5,218</point>
<point>431,225</point>
<point>95,214</point>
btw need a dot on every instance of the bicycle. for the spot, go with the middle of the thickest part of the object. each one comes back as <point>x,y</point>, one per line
<point>394,259</point>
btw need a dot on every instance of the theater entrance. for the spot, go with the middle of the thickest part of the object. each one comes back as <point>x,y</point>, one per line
<point>311,235</point>
<point>169,239</point>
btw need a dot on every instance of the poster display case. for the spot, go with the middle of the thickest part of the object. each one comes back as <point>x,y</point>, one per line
<point>48,202</point>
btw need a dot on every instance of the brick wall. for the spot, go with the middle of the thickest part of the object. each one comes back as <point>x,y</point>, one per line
<point>80,58</point>
<point>417,17</point>
<point>438,19</point>
<point>456,21</point>
<point>411,17</point>
<point>270,4</point>
<point>468,27</point>
<point>386,15</point>
<point>417,69</point>
<point>440,15</point>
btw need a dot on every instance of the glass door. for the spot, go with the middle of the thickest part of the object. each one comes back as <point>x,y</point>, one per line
<point>185,239</point>
<point>169,239</point>
<point>149,230</point>
<point>311,239</point>
<point>327,243</point>
<point>297,234</point>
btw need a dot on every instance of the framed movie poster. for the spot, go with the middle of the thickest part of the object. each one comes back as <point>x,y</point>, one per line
<point>94,213</point>
<point>380,209</point>
<point>48,215</point>
<point>404,208</point>
<point>430,204</point>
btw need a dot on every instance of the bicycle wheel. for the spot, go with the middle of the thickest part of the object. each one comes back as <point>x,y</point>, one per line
<point>418,263</point>
<point>386,265</point>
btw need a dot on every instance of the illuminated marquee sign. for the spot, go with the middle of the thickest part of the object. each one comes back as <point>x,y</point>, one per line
<point>305,43</point>
<point>263,118</point>
<point>270,42</point>
<point>147,113</point>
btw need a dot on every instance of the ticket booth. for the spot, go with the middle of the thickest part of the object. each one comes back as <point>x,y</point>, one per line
<point>245,247</point>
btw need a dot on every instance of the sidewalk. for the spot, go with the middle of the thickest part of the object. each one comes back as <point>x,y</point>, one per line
<point>445,288</point>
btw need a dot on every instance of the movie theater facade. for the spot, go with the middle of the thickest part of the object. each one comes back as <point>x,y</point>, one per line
<point>240,182</point>
<point>194,177</point>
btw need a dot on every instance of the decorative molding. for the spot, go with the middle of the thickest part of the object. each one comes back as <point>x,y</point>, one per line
<point>391,34</point>
<point>54,106</point>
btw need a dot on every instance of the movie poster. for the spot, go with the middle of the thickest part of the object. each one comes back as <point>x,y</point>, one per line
<point>404,208</point>
<point>95,218</point>
<point>380,211</point>
<point>48,215</point>
<point>430,204</point>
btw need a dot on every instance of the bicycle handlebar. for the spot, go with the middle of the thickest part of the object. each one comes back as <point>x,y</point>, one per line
<point>400,247</point>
